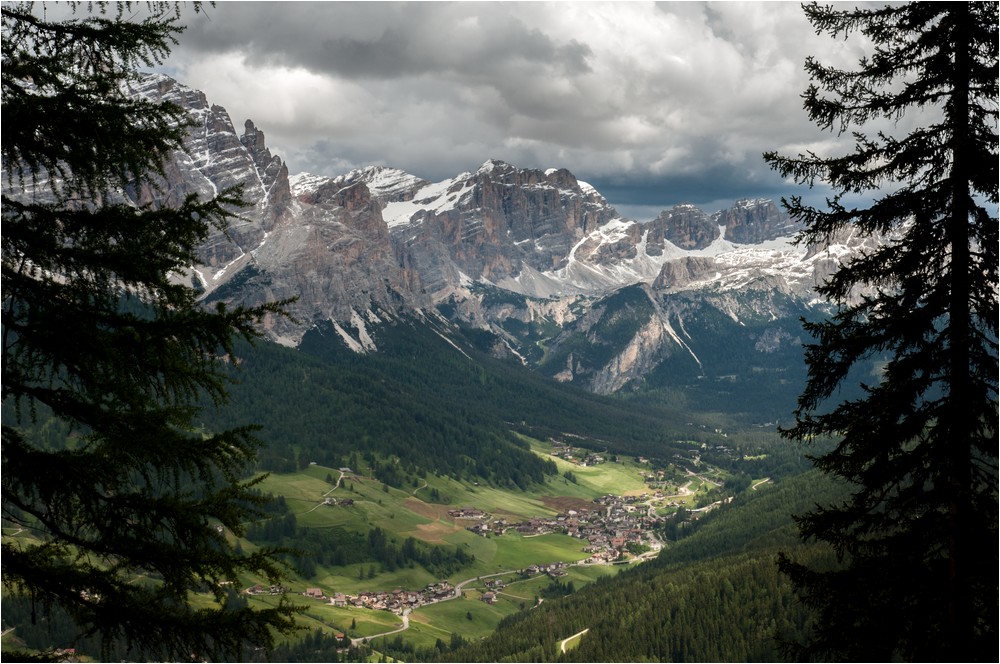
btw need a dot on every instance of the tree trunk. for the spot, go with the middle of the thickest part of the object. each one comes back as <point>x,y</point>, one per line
<point>960,428</point>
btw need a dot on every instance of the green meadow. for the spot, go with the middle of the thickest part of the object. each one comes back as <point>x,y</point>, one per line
<point>420,510</point>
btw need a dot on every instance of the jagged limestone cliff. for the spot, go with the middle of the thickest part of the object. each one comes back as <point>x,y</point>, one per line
<point>534,258</point>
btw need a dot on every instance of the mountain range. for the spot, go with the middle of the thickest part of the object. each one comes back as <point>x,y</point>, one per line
<point>530,265</point>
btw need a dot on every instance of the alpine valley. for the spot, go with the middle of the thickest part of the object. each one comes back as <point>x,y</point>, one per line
<point>496,390</point>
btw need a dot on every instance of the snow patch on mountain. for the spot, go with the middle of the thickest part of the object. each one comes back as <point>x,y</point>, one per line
<point>361,342</point>
<point>386,184</point>
<point>306,183</point>
<point>436,197</point>
<point>589,190</point>
<point>789,266</point>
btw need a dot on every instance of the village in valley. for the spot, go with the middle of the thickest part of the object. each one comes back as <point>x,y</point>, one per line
<point>613,530</point>
<point>617,527</point>
<point>617,530</point>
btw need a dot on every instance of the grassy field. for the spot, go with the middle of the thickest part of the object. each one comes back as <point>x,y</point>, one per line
<point>410,512</point>
<point>621,478</point>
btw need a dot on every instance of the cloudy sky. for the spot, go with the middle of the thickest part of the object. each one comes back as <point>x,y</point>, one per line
<point>653,104</point>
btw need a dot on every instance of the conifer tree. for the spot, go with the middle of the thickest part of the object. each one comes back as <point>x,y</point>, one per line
<point>121,525</point>
<point>918,537</point>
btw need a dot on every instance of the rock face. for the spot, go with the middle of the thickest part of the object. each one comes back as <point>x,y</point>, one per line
<point>326,245</point>
<point>654,341</point>
<point>682,272</point>
<point>687,227</point>
<point>755,221</point>
<point>276,194</point>
<point>537,260</point>
<point>216,159</point>
<point>494,224</point>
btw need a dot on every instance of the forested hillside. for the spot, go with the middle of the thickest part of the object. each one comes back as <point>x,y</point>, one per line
<point>424,405</point>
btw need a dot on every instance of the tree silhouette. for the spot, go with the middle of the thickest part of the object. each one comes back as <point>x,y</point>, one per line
<point>126,519</point>
<point>917,538</point>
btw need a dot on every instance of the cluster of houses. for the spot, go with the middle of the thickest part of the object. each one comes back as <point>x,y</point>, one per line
<point>467,513</point>
<point>656,479</point>
<point>401,601</point>
<point>494,586</point>
<point>554,570</point>
<point>578,456</point>
<point>397,601</point>
<point>613,524</point>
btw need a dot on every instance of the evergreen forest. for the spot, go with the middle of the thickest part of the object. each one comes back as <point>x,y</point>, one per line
<point>419,406</point>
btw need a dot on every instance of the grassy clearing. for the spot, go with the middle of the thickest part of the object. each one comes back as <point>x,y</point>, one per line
<point>493,555</point>
<point>515,552</point>
<point>409,511</point>
<point>621,478</point>
<point>348,579</point>
<point>422,633</point>
<point>467,616</point>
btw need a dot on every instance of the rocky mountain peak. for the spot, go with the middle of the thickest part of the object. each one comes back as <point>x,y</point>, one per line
<point>683,272</point>
<point>328,245</point>
<point>686,227</point>
<point>752,221</point>
<point>497,165</point>
<point>273,174</point>
<point>494,224</point>
<point>498,171</point>
<point>387,185</point>
<point>253,139</point>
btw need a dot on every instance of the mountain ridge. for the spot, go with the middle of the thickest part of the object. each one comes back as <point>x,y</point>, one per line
<point>366,247</point>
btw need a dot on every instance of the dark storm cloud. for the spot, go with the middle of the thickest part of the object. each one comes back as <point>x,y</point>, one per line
<point>477,55</point>
<point>653,104</point>
<point>474,41</point>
